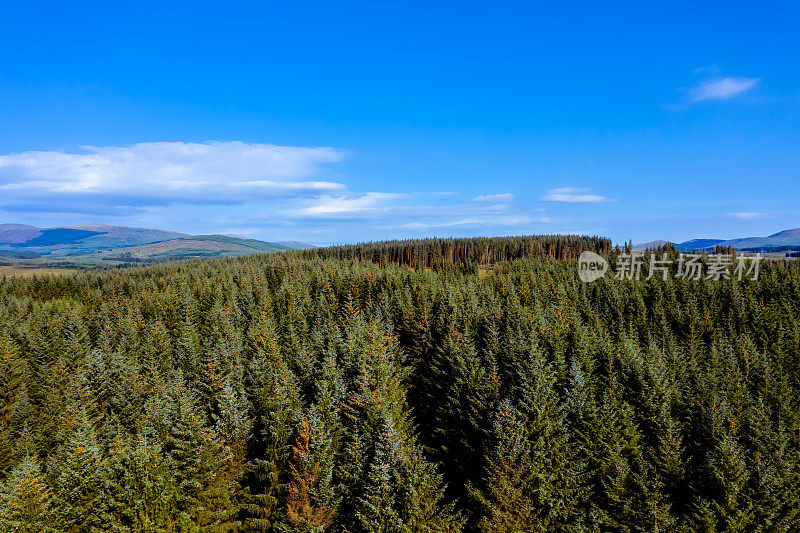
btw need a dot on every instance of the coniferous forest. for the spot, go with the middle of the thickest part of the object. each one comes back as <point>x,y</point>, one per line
<point>471,385</point>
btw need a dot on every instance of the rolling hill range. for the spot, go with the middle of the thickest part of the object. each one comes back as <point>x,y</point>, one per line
<point>107,244</point>
<point>782,241</point>
<point>68,240</point>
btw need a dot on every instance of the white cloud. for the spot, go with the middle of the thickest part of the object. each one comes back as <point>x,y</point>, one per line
<point>572,195</point>
<point>504,197</point>
<point>746,215</point>
<point>266,191</point>
<point>417,212</point>
<point>721,88</point>
<point>503,221</point>
<point>221,170</point>
<point>328,205</point>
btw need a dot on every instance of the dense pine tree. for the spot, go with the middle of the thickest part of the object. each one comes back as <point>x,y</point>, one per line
<point>434,385</point>
<point>26,502</point>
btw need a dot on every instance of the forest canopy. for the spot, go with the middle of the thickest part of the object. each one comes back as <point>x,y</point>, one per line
<point>406,386</point>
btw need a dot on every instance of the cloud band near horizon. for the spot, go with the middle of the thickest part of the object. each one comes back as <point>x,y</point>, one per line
<point>239,187</point>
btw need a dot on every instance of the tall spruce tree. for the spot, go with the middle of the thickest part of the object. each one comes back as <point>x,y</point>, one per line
<point>26,502</point>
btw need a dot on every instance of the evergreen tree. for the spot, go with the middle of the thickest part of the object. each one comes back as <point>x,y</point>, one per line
<point>303,512</point>
<point>275,398</point>
<point>141,488</point>
<point>13,399</point>
<point>80,497</point>
<point>26,501</point>
<point>506,501</point>
<point>200,466</point>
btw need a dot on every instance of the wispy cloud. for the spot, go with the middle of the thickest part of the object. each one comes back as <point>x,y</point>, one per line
<point>352,204</point>
<point>504,221</point>
<point>747,215</point>
<point>721,88</point>
<point>572,195</point>
<point>416,214</point>
<point>503,197</point>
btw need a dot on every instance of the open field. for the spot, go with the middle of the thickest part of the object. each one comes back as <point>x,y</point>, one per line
<point>27,271</point>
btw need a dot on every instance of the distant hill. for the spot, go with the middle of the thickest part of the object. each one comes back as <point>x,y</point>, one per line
<point>69,240</point>
<point>698,244</point>
<point>127,235</point>
<point>781,241</point>
<point>261,246</point>
<point>56,236</point>
<point>16,233</point>
<point>93,243</point>
<point>297,245</point>
<point>196,246</point>
<point>789,237</point>
<point>641,247</point>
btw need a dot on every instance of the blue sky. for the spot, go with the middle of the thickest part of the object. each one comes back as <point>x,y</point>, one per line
<point>340,122</point>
